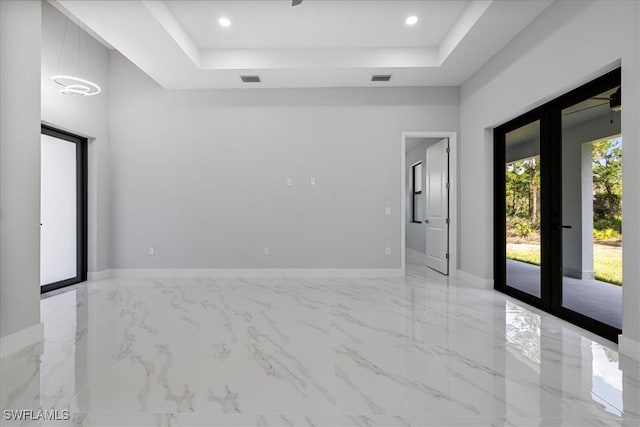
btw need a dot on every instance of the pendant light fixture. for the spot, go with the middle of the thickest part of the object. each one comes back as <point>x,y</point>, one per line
<point>615,100</point>
<point>72,85</point>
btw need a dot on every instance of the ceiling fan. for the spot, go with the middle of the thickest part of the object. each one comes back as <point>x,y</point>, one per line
<point>614,100</point>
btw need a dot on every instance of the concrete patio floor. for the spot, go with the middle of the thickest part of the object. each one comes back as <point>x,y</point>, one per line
<point>599,300</point>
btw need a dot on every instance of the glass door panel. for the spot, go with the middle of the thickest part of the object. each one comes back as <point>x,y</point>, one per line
<point>558,206</point>
<point>522,209</point>
<point>58,234</point>
<point>592,209</point>
<point>63,209</point>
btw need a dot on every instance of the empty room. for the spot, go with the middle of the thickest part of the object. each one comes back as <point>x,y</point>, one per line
<point>320,213</point>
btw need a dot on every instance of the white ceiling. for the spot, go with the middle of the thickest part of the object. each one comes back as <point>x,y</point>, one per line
<point>320,43</point>
<point>316,24</point>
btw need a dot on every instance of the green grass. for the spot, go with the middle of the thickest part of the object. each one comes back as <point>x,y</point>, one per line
<point>607,260</point>
<point>525,253</point>
<point>607,263</point>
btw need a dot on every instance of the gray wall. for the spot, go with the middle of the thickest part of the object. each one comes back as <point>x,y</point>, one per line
<point>19,165</point>
<point>200,175</point>
<point>86,116</point>
<point>545,60</point>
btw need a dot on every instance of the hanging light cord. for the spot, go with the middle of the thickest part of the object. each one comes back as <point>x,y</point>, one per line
<point>64,38</point>
<point>86,49</point>
<point>79,48</point>
<point>72,85</point>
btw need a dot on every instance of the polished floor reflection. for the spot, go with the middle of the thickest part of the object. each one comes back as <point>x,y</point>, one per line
<point>415,351</point>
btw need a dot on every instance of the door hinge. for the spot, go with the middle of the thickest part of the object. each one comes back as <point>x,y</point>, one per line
<point>447,185</point>
<point>448,150</point>
<point>446,256</point>
<point>447,220</point>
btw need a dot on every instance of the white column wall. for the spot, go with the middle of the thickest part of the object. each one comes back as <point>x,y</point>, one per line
<point>19,166</point>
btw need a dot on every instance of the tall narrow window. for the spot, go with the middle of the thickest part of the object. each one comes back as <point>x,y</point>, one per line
<point>417,199</point>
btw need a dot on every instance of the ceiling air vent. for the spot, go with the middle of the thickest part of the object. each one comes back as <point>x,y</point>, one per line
<point>381,77</point>
<point>250,79</point>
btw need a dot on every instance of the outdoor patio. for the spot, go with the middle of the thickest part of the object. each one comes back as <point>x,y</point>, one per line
<point>596,299</point>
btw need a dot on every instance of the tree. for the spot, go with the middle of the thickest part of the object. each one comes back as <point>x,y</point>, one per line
<point>607,183</point>
<point>523,196</point>
<point>523,189</point>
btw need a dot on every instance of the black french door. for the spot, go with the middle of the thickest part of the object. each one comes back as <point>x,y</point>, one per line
<point>63,207</point>
<point>543,206</point>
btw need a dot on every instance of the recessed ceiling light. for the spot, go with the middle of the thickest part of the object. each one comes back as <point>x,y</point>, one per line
<point>411,20</point>
<point>225,22</point>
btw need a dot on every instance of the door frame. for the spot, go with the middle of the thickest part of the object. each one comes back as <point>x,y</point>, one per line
<point>550,116</point>
<point>81,206</point>
<point>499,208</point>
<point>427,202</point>
<point>453,194</point>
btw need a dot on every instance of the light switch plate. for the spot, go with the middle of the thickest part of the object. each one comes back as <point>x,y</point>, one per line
<point>387,210</point>
<point>289,181</point>
<point>267,251</point>
<point>387,251</point>
<point>152,251</point>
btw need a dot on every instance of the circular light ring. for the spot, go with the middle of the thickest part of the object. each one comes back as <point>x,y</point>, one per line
<point>76,86</point>
<point>225,22</point>
<point>412,20</point>
<point>73,91</point>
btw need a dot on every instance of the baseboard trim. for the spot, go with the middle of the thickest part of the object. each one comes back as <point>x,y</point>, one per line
<point>474,280</point>
<point>94,276</point>
<point>629,347</point>
<point>21,339</point>
<point>578,274</point>
<point>254,272</point>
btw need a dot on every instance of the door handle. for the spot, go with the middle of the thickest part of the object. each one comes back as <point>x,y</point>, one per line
<point>426,221</point>
<point>565,226</point>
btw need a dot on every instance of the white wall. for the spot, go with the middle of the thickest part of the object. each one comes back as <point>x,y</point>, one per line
<point>86,116</point>
<point>201,175</point>
<point>19,166</point>
<point>567,45</point>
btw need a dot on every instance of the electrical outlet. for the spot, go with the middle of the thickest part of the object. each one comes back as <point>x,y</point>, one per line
<point>387,210</point>
<point>312,180</point>
<point>152,251</point>
<point>267,251</point>
<point>387,251</point>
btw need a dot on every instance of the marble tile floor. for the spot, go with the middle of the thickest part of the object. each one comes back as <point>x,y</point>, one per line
<point>422,350</point>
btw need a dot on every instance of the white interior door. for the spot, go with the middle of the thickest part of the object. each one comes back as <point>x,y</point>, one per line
<point>437,206</point>
<point>58,210</point>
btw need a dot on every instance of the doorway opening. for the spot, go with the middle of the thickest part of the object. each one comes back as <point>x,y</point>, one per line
<point>429,208</point>
<point>63,209</point>
<point>558,207</point>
